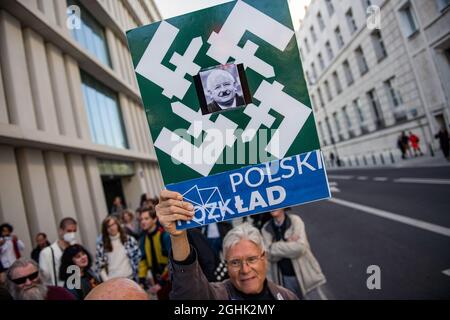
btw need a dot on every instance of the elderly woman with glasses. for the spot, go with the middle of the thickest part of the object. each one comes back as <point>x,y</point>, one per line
<point>243,249</point>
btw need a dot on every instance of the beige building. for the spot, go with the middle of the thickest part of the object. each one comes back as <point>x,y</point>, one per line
<point>369,84</point>
<point>73,132</point>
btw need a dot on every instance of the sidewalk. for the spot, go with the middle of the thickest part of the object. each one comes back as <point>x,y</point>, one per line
<point>425,161</point>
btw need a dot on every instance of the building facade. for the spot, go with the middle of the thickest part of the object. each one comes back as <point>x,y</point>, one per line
<point>370,81</point>
<point>73,132</point>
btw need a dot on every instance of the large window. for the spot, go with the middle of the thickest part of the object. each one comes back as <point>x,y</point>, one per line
<point>329,51</point>
<point>105,118</point>
<point>321,22</point>
<point>339,38</point>
<point>313,34</point>
<point>362,62</point>
<point>348,73</point>
<point>337,82</point>
<point>91,35</point>
<point>330,7</point>
<point>321,61</point>
<point>376,108</point>
<point>408,20</point>
<point>378,45</point>
<point>351,21</point>
<point>328,90</point>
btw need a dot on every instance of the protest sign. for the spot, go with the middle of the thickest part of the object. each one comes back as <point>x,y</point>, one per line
<point>229,110</point>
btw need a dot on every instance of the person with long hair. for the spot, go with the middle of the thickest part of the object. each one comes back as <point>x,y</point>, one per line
<point>77,255</point>
<point>117,253</point>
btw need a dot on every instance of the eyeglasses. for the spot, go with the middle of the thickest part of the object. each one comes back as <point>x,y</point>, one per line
<point>250,261</point>
<point>31,277</point>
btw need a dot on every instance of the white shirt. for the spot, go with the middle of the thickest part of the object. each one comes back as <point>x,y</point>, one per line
<point>213,231</point>
<point>49,266</point>
<point>7,254</point>
<point>119,265</point>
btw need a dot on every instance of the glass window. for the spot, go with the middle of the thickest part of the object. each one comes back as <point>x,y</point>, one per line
<point>105,118</point>
<point>348,73</point>
<point>376,108</point>
<point>330,7</point>
<point>351,21</point>
<point>408,20</point>
<point>339,38</point>
<point>348,121</point>
<point>321,61</point>
<point>362,62</point>
<point>337,82</point>
<point>329,50</point>
<point>442,4</point>
<point>328,90</point>
<point>378,44</point>
<point>321,22</point>
<point>91,35</point>
<point>313,34</point>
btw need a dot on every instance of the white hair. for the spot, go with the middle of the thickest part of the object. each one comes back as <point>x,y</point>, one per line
<point>243,231</point>
<point>36,292</point>
<point>214,74</point>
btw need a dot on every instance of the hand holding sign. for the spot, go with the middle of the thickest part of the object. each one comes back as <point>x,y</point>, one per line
<point>170,209</point>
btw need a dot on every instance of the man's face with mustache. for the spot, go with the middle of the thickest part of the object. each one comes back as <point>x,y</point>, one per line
<point>221,87</point>
<point>32,288</point>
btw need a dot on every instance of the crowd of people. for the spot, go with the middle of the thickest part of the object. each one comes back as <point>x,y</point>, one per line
<point>409,145</point>
<point>267,256</point>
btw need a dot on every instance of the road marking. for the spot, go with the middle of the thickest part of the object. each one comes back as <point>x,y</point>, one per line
<point>337,177</point>
<point>395,217</point>
<point>421,180</point>
<point>362,178</point>
<point>446,272</point>
<point>334,186</point>
<point>321,294</point>
<point>380,179</point>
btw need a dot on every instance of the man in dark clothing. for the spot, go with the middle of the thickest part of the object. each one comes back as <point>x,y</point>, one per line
<point>208,260</point>
<point>444,142</point>
<point>42,242</point>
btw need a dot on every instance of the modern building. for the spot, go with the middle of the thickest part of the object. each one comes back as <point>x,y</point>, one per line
<point>73,132</point>
<point>369,82</point>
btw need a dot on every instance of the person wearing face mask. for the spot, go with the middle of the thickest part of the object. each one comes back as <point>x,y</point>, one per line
<point>221,87</point>
<point>50,257</point>
<point>77,255</point>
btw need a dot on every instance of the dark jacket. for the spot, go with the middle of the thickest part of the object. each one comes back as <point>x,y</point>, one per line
<point>208,259</point>
<point>214,107</point>
<point>189,283</point>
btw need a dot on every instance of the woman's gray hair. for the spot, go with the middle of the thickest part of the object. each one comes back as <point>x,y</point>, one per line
<point>243,231</point>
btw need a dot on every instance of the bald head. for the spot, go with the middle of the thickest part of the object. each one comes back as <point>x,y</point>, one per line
<point>117,289</point>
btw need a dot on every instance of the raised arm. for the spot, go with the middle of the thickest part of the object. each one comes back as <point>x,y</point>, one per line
<point>170,209</point>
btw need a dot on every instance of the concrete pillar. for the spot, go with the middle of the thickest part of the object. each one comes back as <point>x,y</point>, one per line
<point>83,202</point>
<point>150,187</point>
<point>48,8</point>
<point>134,186</point>
<point>12,208</point>
<point>61,15</point>
<point>36,192</point>
<point>96,189</point>
<point>14,68</point>
<point>135,124</point>
<point>127,120</point>
<point>59,183</point>
<point>76,95</point>
<point>40,82</point>
<point>4,118</point>
<point>61,91</point>
<point>112,48</point>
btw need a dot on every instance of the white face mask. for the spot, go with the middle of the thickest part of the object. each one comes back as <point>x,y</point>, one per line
<point>70,237</point>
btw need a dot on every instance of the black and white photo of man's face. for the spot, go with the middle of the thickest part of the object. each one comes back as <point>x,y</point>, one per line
<point>221,87</point>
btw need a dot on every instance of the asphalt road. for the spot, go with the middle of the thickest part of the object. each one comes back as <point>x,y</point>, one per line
<point>397,219</point>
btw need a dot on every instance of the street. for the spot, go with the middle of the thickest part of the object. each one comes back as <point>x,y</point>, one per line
<point>395,218</point>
